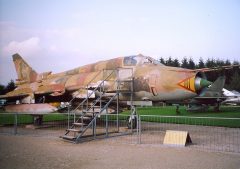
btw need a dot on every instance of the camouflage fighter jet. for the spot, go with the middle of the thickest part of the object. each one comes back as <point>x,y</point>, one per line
<point>151,81</point>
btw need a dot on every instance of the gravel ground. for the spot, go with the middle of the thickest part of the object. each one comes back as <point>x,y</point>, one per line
<point>49,152</point>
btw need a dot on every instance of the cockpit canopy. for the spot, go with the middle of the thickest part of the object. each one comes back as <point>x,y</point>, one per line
<point>138,60</point>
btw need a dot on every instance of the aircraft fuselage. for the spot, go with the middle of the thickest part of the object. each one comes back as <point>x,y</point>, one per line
<point>151,81</point>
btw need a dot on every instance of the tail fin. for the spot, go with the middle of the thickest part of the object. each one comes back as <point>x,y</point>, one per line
<point>218,85</point>
<point>215,90</point>
<point>25,73</point>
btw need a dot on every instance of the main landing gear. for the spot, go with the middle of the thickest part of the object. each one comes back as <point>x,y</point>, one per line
<point>37,120</point>
<point>132,119</point>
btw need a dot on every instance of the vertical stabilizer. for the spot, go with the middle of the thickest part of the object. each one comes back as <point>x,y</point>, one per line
<point>215,89</point>
<point>218,85</point>
<point>25,73</point>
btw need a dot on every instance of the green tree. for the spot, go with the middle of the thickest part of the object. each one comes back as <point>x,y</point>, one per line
<point>2,87</point>
<point>210,63</point>
<point>200,63</point>
<point>227,63</point>
<point>191,64</point>
<point>211,76</point>
<point>10,86</point>
<point>219,62</point>
<point>162,60</point>
<point>169,62</point>
<point>235,82</point>
<point>184,63</point>
<point>176,63</point>
<point>235,62</point>
<point>228,72</point>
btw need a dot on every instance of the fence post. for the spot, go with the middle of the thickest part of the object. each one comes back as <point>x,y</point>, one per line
<point>139,129</point>
<point>15,123</point>
<point>107,122</point>
<point>137,119</point>
<point>68,115</point>
<point>74,117</point>
<point>118,112</point>
<point>95,125</point>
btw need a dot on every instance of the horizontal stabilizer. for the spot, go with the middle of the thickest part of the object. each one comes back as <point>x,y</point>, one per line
<point>19,96</point>
<point>215,90</point>
<point>17,93</point>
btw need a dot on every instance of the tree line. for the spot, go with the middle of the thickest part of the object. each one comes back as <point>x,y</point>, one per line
<point>9,87</point>
<point>232,75</point>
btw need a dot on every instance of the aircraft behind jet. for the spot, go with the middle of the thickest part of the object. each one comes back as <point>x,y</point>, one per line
<point>233,97</point>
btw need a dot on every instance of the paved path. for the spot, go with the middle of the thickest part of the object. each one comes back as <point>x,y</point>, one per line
<point>23,152</point>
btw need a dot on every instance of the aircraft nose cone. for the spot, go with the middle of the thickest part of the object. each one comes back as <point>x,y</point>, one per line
<point>201,83</point>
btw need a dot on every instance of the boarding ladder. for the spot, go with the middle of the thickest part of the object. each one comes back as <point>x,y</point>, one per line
<point>91,109</point>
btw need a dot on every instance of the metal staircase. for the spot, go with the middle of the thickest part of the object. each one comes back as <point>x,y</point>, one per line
<point>91,108</point>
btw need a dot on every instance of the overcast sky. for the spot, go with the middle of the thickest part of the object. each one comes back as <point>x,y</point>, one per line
<point>62,34</point>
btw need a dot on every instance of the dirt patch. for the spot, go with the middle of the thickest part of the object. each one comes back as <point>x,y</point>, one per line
<point>49,152</point>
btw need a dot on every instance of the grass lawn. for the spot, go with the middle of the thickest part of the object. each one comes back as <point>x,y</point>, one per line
<point>209,118</point>
<point>225,111</point>
<point>28,119</point>
<point>156,115</point>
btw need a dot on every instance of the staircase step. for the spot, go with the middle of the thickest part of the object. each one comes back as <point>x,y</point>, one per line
<point>74,130</point>
<point>124,91</point>
<point>86,118</point>
<point>68,137</point>
<point>88,114</point>
<point>127,80</point>
<point>79,124</point>
<point>91,111</point>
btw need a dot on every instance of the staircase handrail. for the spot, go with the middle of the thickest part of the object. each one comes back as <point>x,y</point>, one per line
<point>87,85</point>
<point>93,91</point>
<point>89,124</point>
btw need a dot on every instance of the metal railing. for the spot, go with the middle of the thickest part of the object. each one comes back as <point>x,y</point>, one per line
<point>207,133</point>
<point>53,124</point>
<point>97,100</point>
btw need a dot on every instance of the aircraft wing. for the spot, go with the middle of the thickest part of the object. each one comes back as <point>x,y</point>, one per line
<point>210,99</point>
<point>199,98</point>
<point>215,68</point>
<point>33,109</point>
<point>207,69</point>
<point>17,94</point>
<point>51,89</point>
<point>202,103</point>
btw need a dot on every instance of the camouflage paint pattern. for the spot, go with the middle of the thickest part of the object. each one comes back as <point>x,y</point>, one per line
<point>151,80</point>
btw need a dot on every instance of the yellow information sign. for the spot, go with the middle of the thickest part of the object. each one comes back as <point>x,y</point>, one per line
<point>177,138</point>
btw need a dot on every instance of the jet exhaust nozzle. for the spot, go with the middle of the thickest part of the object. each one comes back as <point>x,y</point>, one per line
<point>201,83</point>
